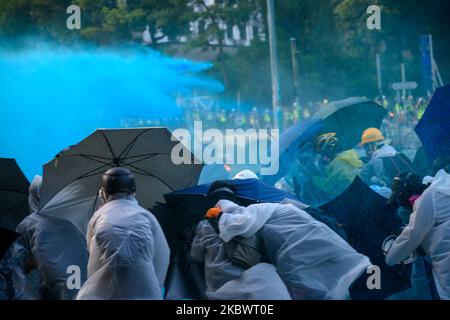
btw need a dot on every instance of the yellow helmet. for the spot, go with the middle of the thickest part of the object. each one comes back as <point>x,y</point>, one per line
<point>371,135</point>
<point>325,141</point>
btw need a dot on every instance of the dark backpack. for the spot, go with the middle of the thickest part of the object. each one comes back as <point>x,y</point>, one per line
<point>244,252</point>
<point>394,166</point>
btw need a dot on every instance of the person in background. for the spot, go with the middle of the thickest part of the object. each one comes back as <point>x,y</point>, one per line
<point>128,252</point>
<point>44,251</point>
<point>267,119</point>
<point>253,119</point>
<point>384,162</point>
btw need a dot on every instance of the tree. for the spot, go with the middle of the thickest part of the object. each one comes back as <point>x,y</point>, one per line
<point>22,20</point>
<point>110,22</point>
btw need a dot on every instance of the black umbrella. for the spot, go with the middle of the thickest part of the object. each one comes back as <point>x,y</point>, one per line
<point>13,194</point>
<point>367,223</point>
<point>185,278</point>
<point>349,118</point>
<point>145,151</point>
<point>7,237</point>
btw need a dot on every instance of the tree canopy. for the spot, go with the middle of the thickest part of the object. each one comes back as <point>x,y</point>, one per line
<point>336,51</point>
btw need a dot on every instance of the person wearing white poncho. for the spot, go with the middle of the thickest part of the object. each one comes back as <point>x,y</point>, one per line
<point>429,228</point>
<point>313,261</point>
<point>128,253</point>
<point>46,248</point>
<point>226,281</point>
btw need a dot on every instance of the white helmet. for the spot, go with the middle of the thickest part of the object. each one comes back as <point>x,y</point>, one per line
<point>245,174</point>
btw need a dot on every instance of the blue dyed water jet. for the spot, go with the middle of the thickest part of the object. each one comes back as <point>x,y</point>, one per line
<point>53,97</point>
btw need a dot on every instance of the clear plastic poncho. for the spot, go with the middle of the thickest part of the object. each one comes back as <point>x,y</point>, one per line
<point>429,227</point>
<point>129,255</point>
<point>226,281</point>
<point>313,261</point>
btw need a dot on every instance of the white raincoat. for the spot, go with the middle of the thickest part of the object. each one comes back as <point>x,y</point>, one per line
<point>373,171</point>
<point>226,281</point>
<point>53,238</point>
<point>129,255</point>
<point>429,227</point>
<point>55,245</point>
<point>25,283</point>
<point>313,261</point>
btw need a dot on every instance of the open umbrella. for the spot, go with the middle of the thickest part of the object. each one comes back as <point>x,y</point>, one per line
<point>433,128</point>
<point>13,194</point>
<point>349,118</point>
<point>188,206</point>
<point>253,190</point>
<point>367,223</point>
<point>145,151</point>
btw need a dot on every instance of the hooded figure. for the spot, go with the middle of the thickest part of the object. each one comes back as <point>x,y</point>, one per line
<point>128,253</point>
<point>49,246</point>
<point>23,277</point>
<point>312,260</point>
<point>227,281</point>
<point>34,195</point>
<point>429,228</point>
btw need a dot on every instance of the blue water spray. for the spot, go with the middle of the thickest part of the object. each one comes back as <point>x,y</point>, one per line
<point>53,97</point>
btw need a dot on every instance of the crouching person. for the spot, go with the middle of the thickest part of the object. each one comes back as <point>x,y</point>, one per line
<point>312,260</point>
<point>228,281</point>
<point>128,253</point>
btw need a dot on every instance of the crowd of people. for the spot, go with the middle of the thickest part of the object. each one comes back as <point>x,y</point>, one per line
<point>402,114</point>
<point>285,250</point>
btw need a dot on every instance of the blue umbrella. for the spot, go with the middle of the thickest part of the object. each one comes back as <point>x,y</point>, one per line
<point>434,127</point>
<point>188,206</point>
<point>347,118</point>
<point>252,190</point>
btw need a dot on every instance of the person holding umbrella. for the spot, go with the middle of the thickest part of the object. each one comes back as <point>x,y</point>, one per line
<point>128,252</point>
<point>338,167</point>
<point>385,162</point>
<point>49,246</point>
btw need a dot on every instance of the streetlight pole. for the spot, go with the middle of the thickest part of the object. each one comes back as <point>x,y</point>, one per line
<point>379,77</point>
<point>294,53</point>
<point>273,62</point>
